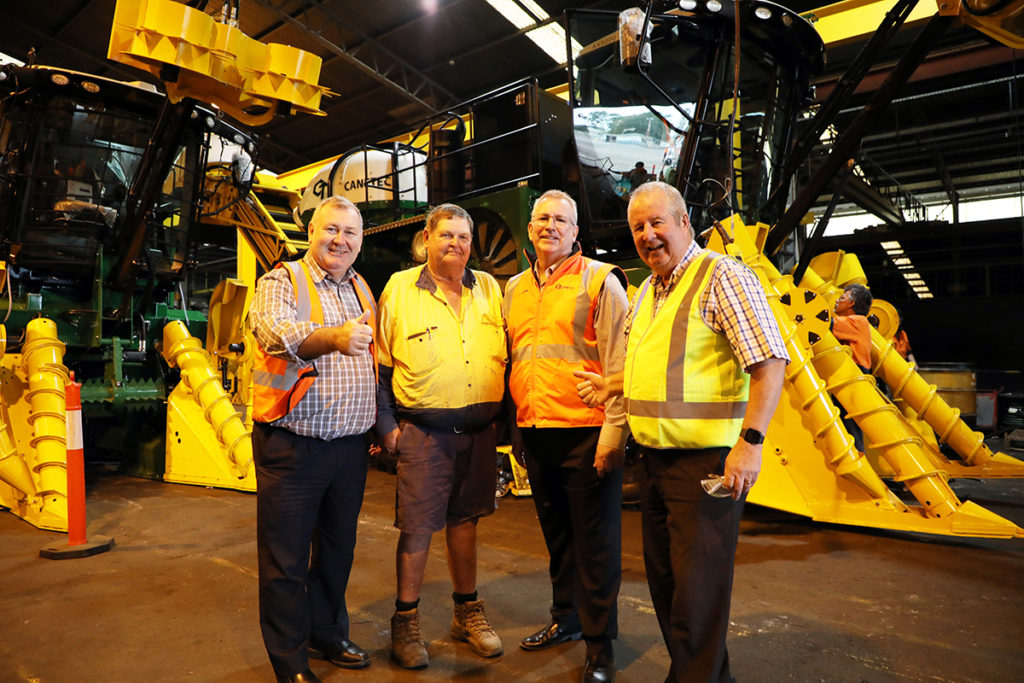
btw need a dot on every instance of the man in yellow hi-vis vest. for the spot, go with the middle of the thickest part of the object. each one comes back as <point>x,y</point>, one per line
<point>703,374</point>
<point>314,401</point>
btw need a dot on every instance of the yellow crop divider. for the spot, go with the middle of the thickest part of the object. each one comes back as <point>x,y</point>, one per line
<point>207,439</point>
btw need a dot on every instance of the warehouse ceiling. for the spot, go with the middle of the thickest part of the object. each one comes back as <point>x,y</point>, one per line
<point>953,131</point>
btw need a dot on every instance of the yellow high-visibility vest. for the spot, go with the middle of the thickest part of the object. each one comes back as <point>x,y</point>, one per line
<point>682,383</point>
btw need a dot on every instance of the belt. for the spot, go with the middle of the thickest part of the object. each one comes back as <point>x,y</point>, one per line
<point>458,429</point>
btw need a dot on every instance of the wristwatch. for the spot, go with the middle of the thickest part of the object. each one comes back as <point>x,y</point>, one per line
<point>752,436</point>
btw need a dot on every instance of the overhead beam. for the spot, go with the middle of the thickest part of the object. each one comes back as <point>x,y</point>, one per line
<point>369,57</point>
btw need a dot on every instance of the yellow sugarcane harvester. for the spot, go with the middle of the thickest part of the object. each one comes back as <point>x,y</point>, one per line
<point>811,465</point>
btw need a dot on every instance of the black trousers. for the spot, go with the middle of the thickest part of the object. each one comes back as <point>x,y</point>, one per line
<point>309,493</point>
<point>581,517</point>
<point>689,552</point>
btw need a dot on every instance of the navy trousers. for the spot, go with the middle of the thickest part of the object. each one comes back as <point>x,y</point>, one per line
<point>581,517</point>
<point>689,551</point>
<point>309,492</point>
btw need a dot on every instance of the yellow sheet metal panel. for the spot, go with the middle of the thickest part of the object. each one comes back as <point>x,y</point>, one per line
<point>852,20</point>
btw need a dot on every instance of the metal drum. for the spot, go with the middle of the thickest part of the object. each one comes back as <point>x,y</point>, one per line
<point>957,384</point>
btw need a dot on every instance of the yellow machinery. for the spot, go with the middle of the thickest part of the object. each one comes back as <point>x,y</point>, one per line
<point>33,469</point>
<point>203,425</point>
<point>199,59</point>
<point>811,466</point>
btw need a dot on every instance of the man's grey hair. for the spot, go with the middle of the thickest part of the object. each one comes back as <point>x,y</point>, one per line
<point>334,202</point>
<point>677,205</point>
<point>558,194</point>
<point>861,297</point>
<point>442,211</point>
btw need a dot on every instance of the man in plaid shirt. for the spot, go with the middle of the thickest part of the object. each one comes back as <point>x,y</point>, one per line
<point>311,461</point>
<point>704,371</point>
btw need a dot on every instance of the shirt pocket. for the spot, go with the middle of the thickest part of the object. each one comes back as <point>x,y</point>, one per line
<point>422,344</point>
<point>492,333</point>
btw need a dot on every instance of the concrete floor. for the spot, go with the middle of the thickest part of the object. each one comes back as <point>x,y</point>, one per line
<point>176,598</point>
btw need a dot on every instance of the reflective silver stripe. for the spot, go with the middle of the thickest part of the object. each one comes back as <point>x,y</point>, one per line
<point>582,313</point>
<point>675,391</point>
<point>566,352</point>
<point>303,303</point>
<point>367,294</point>
<point>274,381</point>
<point>579,350</point>
<point>686,411</point>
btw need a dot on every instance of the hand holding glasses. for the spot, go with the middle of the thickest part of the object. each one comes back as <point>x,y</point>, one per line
<point>714,486</point>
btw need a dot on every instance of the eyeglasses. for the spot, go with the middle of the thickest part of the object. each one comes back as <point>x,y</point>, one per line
<point>560,221</point>
<point>715,486</point>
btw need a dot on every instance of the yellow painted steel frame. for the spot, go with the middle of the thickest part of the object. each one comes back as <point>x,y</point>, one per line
<point>928,414</point>
<point>215,62</point>
<point>850,20</point>
<point>208,441</point>
<point>33,451</point>
<point>255,224</point>
<point>810,465</point>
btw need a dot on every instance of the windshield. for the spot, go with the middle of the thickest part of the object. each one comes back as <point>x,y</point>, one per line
<point>672,120</point>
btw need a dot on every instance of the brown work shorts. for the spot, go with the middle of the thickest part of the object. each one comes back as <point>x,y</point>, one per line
<point>444,478</point>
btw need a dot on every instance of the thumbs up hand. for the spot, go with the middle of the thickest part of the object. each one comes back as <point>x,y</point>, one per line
<point>593,390</point>
<point>354,337</point>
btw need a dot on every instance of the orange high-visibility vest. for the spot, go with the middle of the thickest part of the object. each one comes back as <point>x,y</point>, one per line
<point>279,384</point>
<point>551,333</point>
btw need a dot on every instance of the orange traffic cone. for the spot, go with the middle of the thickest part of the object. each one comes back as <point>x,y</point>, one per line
<point>78,544</point>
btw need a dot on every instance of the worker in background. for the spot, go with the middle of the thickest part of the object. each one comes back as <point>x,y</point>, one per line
<point>703,374</point>
<point>442,378</point>
<point>565,313</point>
<point>850,324</point>
<point>314,401</point>
<point>638,176</point>
<point>901,343</point>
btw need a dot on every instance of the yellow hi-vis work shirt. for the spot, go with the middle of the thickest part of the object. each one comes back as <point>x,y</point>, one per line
<point>683,385</point>
<point>445,370</point>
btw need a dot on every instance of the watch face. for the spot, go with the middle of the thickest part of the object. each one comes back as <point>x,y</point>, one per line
<point>752,436</point>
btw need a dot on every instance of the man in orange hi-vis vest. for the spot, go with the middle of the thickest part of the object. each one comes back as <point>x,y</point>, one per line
<point>566,314</point>
<point>314,402</point>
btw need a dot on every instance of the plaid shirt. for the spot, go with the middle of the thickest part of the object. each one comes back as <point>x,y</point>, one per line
<point>342,400</point>
<point>734,305</point>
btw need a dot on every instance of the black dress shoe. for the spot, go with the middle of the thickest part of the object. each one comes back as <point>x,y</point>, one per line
<point>599,669</point>
<point>549,636</point>
<point>345,654</point>
<point>306,676</point>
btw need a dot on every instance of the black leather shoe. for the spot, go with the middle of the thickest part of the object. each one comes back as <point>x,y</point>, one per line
<point>345,654</point>
<point>549,636</point>
<point>306,676</point>
<point>599,669</point>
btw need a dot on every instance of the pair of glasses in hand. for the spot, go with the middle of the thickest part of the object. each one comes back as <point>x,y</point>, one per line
<point>714,486</point>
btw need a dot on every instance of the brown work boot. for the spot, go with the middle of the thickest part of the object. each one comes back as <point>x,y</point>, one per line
<point>469,625</point>
<point>407,646</point>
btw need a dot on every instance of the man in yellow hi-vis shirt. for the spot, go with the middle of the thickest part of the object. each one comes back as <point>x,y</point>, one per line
<point>441,347</point>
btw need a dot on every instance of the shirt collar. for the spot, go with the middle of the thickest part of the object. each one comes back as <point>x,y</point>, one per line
<point>692,252</point>
<point>319,274</point>
<point>424,281</point>
<point>531,256</point>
